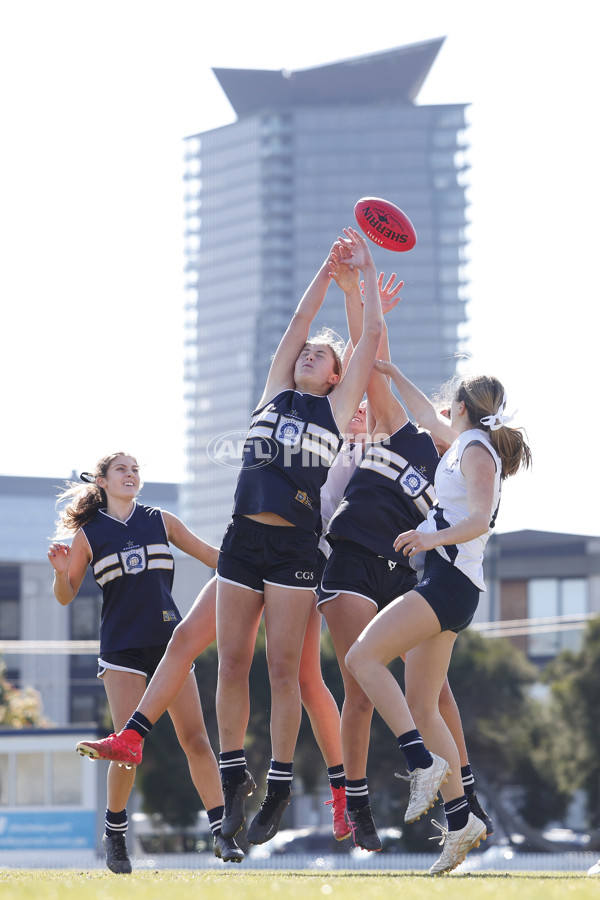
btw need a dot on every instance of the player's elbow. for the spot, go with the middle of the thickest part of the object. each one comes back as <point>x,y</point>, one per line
<point>479,522</point>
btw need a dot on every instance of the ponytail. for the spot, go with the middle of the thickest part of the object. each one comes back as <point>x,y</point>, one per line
<point>485,400</point>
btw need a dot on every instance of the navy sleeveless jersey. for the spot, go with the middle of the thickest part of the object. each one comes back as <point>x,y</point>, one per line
<point>133,565</point>
<point>389,493</point>
<point>290,446</point>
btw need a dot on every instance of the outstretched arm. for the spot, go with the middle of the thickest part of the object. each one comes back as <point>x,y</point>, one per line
<point>386,411</point>
<point>281,373</point>
<point>347,278</point>
<point>417,403</point>
<point>346,396</point>
<point>184,539</point>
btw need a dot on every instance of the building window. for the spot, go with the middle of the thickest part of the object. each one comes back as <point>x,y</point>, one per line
<point>89,707</point>
<point>30,780</point>
<point>551,597</point>
<point>9,620</point>
<point>4,773</point>
<point>66,783</point>
<point>85,613</point>
<point>10,591</point>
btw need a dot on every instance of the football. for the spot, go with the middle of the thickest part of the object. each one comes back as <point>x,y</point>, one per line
<point>385,224</point>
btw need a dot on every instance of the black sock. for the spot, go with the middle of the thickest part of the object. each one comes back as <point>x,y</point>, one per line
<point>457,813</point>
<point>115,822</point>
<point>415,752</point>
<point>138,722</point>
<point>232,765</point>
<point>279,777</point>
<point>336,776</point>
<point>357,793</point>
<point>215,817</point>
<point>468,780</point>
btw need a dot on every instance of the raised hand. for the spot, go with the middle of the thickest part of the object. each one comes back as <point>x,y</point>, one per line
<point>346,277</point>
<point>59,556</point>
<point>389,295</point>
<point>360,255</point>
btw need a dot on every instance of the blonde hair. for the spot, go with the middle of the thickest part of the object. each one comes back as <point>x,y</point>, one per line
<point>82,500</point>
<point>329,338</point>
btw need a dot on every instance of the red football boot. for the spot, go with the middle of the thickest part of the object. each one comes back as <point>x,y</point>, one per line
<point>124,748</point>
<point>341,829</point>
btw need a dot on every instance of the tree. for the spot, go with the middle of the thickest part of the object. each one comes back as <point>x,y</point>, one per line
<point>19,708</point>
<point>509,734</point>
<point>574,680</point>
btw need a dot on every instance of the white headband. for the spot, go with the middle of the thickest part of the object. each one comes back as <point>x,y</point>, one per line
<point>497,420</point>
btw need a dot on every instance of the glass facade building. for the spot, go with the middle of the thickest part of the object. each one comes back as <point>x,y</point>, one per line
<point>266,197</point>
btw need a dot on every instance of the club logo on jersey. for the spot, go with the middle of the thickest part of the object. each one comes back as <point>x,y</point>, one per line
<point>303,498</point>
<point>133,560</point>
<point>412,481</point>
<point>289,431</point>
<point>169,615</point>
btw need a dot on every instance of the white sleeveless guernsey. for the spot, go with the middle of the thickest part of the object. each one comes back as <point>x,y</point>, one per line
<point>451,507</point>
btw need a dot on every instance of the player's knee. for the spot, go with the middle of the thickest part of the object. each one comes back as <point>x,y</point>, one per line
<point>354,661</point>
<point>232,668</point>
<point>195,743</point>
<point>183,641</point>
<point>283,676</point>
<point>358,704</point>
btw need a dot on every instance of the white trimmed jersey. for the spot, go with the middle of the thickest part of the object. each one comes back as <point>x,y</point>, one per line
<point>291,444</point>
<point>133,566</point>
<point>390,492</point>
<point>452,507</point>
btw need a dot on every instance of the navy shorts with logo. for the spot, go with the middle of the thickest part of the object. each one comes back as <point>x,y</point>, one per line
<point>253,554</point>
<point>452,596</point>
<point>352,569</point>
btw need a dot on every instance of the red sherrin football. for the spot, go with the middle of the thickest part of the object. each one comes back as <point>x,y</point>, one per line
<point>385,224</point>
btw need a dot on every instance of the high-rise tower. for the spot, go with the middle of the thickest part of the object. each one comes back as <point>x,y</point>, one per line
<point>266,197</point>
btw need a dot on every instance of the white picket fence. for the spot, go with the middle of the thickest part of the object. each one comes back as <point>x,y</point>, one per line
<point>496,859</point>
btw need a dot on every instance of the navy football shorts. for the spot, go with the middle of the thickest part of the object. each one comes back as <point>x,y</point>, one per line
<point>253,554</point>
<point>137,660</point>
<point>452,596</point>
<point>353,569</point>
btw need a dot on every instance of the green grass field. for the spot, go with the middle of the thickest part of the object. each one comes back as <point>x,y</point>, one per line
<point>29,884</point>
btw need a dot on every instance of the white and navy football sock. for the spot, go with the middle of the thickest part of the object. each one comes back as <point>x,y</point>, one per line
<point>457,813</point>
<point>215,818</point>
<point>138,722</point>
<point>468,780</point>
<point>232,765</point>
<point>336,776</point>
<point>115,822</point>
<point>357,793</point>
<point>279,777</point>
<point>416,754</point>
